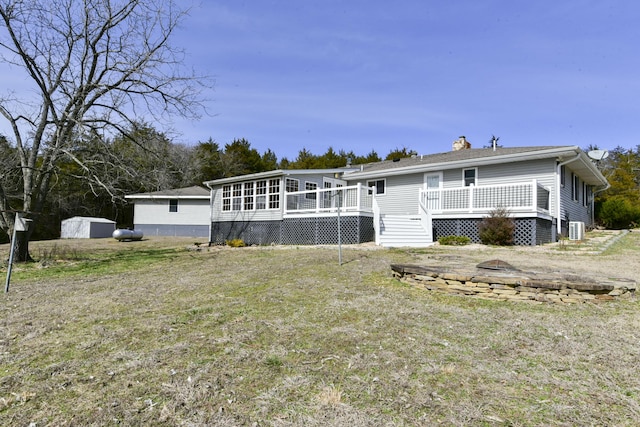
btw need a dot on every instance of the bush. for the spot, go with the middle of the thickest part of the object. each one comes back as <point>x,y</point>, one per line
<point>235,243</point>
<point>619,212</point>
<point>497,228</point>
<point>454,240</point>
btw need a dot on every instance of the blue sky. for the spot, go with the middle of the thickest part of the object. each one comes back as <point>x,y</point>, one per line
<point>360,75</point>
<point>379,75</point>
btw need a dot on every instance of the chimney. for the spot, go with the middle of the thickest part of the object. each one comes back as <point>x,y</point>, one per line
<point>461,144</point>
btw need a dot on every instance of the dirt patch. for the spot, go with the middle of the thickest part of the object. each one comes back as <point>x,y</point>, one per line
<point>594,259</point>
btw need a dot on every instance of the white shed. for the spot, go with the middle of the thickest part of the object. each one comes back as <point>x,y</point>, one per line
<point>82,227</point>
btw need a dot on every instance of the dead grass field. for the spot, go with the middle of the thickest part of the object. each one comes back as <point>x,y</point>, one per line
<point>156,333</point>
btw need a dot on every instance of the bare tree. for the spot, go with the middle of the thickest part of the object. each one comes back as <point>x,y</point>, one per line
<point>94,67</point>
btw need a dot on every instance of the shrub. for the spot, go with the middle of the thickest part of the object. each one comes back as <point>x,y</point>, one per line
<point>235,243</point>
<point>454,240</point>
<point>497,228</point>
<point>618,212</point>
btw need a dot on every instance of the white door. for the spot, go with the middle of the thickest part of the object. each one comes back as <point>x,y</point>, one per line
<point>330,198</point>
<point>433,181</point>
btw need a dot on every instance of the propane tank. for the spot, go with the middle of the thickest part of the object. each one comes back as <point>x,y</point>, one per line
<point>125,234</point>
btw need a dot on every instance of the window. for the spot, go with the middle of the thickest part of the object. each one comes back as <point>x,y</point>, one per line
<point>248,196</point>
<point>261,194</point>
<point>226,197</point>
<point>563,175</point>
<point>291,185</point>
<point>575,187</point>
<point>251,195</point>
<point>469,176</point>
<point>173,205</point>
<point>274,194</point>
<point>236,197</point>
<point>378,184</point>
<point>310,186</point>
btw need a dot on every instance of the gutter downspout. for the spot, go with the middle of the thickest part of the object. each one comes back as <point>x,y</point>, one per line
<point>210,209</point>
<point>558,195</point>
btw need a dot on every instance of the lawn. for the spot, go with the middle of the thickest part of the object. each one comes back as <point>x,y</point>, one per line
<point>161,333</point>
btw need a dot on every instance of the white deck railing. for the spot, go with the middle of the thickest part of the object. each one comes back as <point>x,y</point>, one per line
<point>355,198</point>
<point>527,196</point>
<point>521,197</point>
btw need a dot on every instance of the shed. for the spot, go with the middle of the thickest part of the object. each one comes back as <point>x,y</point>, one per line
<point>82,227</point>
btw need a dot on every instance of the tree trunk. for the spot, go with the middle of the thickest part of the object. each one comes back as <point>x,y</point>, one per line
<point>21,253</point>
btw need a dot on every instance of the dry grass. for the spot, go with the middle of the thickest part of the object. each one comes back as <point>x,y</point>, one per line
<point>150,333</point>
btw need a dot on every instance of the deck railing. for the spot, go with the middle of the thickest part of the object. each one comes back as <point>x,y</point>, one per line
<point>523,197</point>
<point>526,196</point>
<point>355,198</point>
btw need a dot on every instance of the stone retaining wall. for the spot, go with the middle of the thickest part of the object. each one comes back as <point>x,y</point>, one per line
<point>510,287</point>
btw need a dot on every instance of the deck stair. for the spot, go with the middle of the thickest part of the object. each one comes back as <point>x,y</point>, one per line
<point>403,231</point>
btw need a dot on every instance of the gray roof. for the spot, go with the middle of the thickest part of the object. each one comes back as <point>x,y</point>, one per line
<point>454,156</point>
<point>474,157</point>
<point>277,173</point>
<point>194,192</point>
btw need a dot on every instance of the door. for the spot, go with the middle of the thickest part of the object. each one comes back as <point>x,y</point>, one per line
<point>433,182</point>
<point>330,197</point>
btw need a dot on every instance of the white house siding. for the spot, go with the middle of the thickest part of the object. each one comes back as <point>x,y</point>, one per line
<point>573,210</point>
<point>401,194</point>
<point>507,173</point>
<point>152,217</point>
<point>156,211</point>
<point>452,178</point>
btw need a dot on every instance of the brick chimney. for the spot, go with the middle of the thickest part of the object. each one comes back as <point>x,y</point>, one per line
<point>461,144</point>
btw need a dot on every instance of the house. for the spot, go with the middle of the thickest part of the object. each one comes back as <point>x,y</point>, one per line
<point>411,201</point>
<point>178,212</point>
<point>82,227</point>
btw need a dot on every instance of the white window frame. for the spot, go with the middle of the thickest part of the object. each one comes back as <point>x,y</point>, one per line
<point>375,183</point>
<point>226,198</point>
<point>262,189</point>
<point>173,205</point>
<point>262,194</point>
<point>310,186</point>
<point>236,196</point>
<point>475,177</point>
<point>274,194</point>
<point>291,185</point>
<point>248,190</point>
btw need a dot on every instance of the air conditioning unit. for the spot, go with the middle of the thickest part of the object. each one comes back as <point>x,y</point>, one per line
<point>576,230</point>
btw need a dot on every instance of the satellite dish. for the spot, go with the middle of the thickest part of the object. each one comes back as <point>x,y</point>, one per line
<point>598,154</point>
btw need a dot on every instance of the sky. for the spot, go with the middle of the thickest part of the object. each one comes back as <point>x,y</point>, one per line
<point>376,75</point>
<point>360,75</point>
